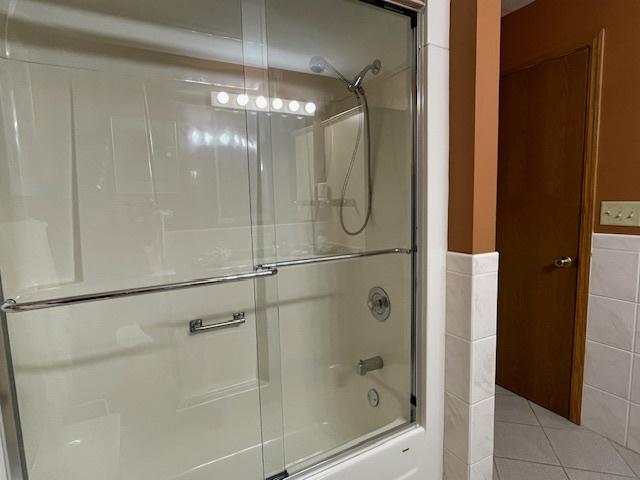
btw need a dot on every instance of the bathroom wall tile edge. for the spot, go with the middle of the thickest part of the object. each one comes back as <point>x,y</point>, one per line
<point>470,357</point>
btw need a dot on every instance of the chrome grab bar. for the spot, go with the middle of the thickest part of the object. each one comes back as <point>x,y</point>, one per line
<point>265,270</point>
<point>332,258</point>
<point>195,326</point>
<point>11,306</point>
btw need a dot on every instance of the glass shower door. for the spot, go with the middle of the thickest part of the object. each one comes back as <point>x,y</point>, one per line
<point>335,213</point>
<point>119,172</point>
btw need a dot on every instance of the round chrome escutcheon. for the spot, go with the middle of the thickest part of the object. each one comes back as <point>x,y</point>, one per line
<point>379,303</point>
<point>374,397</point>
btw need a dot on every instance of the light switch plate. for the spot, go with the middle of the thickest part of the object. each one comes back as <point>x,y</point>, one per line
<point>623,214</point>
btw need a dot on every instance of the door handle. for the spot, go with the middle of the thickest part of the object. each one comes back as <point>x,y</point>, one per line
<point>196,326</point>
<point>563,262</point>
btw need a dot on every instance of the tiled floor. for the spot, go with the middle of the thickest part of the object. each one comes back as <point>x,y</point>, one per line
<point>532,443</point>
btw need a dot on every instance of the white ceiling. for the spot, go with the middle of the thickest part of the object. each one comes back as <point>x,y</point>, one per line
<point>509,6</point>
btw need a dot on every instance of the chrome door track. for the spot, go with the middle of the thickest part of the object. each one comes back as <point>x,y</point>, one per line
<point>279,476</point>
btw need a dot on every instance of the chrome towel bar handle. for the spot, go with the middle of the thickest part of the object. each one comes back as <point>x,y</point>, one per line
<point>196,326</point>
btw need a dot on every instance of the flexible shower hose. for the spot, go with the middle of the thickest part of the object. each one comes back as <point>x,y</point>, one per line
<point>362,101</point>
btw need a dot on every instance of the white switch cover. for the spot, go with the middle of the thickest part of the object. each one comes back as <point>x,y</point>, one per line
<point>624,214</point>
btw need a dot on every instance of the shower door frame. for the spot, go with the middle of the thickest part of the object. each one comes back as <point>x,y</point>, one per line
<point>11,433</point>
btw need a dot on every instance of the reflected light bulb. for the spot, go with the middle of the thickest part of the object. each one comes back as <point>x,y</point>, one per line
<point>242,99</point>
<point>310,108</point>
<point>294,106</point>
<point>261,102</point>
<point>277,104</point>
<point>223,98</point>
<point>225,138</point>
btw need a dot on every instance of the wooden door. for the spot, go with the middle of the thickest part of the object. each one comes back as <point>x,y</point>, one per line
<point>541,160</point>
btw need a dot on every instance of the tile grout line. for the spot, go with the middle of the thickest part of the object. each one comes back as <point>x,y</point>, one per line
<point>519,423</point>
<point>598,389</point>
<point>637,276</point>
<point>630,391</point>
<point>612,347</point>
<point>453,395</point>
<point>611,249</point>
<point>613,444</point>
<point>597,295</point>
<point>462,339</point>
<point>564,470</point>
<point>531,461</point>
<point>464,462</point>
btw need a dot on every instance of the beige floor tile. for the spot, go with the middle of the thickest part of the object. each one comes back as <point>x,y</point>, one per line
<point>585,450</point>
<point>514,409</point>
<point>523,442</point>
<point>518,470</point>
<point>632,458</point>
<point>550,419</point>
<point>584,475</point>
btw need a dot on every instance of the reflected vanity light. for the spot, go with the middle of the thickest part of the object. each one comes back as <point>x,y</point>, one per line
<point>261,102</point>
<point>294,106</point>
<point>225,138</point>
<point>245,101</point>
<point>242,99</point>
<point>222,98</point>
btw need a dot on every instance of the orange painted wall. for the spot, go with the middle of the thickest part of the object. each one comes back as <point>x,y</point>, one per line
<point>473,142</point>
<point>552,27</point>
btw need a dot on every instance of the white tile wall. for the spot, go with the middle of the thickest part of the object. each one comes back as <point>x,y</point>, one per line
<point>437,31</point>
<point>611,395</point>
<point>608,369</point>
<point>470,365</point>
<point>611,322</point>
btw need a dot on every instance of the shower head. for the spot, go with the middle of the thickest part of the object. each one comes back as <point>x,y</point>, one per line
<point>319,64</point>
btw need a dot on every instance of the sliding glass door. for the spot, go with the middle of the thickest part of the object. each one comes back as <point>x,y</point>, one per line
<point>206,246</point>
<point>337,199</point>
<point>118,173</point>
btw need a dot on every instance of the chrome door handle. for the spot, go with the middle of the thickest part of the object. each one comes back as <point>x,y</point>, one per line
<point>563,262</point>
<point>195,326</point>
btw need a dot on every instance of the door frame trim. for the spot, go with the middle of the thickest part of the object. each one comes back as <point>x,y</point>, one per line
<point>588,202</point>
<point>587,221</point>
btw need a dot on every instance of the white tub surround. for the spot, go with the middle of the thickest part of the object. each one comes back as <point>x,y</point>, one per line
<point>611,395</point>
<point>472,288</point>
